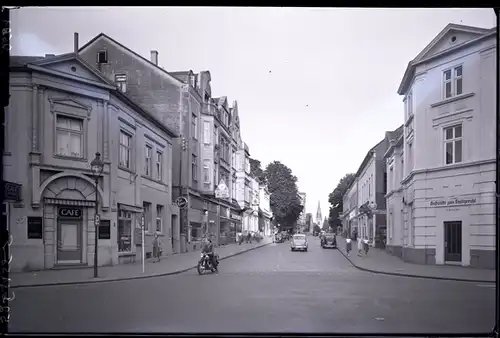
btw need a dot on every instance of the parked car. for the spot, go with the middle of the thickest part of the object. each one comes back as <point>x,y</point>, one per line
<point>329,240</point>
<point>299,242</point>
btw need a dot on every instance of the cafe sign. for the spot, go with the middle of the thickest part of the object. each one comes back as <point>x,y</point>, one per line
<point>453,202</point>
<point>70,213</point>
<point>235,217</point>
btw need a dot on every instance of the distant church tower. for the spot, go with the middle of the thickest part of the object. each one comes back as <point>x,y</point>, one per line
<point>319,217</point>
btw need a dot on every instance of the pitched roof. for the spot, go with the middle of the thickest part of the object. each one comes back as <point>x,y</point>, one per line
<point>41,62</point>
<point>102,35</point>
<point>476,35</point>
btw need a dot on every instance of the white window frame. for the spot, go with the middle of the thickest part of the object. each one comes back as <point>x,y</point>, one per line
<point>453,141</point>
<point>148,160</point>
<point>206,171</point>
<point>128,148</point>
<point>206,132</point>
<point>409,104</point>
<point>121,82</point>
<point>123,215</point>
<point>453,80</point>
<point>146,206</point>
<point>70,132</point>
<point>159,165</point>
<point>159,218</point>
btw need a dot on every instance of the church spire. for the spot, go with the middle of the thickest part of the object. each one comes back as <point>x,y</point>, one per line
<point>319,217</point>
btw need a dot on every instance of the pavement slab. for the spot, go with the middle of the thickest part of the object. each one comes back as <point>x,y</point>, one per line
<point>380,261</point>
<point>266,290</point>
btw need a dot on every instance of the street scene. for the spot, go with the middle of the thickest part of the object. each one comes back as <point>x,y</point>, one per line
<point>270,289</point>
<point>250,170</point>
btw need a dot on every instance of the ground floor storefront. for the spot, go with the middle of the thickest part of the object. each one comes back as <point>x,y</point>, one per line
<point>449,223</point>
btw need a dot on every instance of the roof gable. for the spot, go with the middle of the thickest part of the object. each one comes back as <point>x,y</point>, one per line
<point>443,40</point>
<point>74,65</point>
<point>162,72</point>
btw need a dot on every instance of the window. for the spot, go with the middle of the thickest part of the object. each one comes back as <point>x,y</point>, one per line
<point>147,160</point>
<point>147,216</point>
<point>216,135</point>
<point>69,136</point>
<point>125,149</point>
<point>159,217</point>
<point>102,56</point>
<point>206,171</point>
<point>453,82</point>
<point>206,132</point>
<point>124,231</point>
<point>196,231</point>
<point>194,167</point>
<point>194,127</point>
<point>159,166</point>
<point>35,227</point>
<point>227,153</point>
<point>104,229</point>
<point>121,82</point>
<point>453,144</point>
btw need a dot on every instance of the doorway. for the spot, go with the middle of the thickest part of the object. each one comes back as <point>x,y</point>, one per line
<point>69,241</point>
<point>453,241</point>
<point>174,226</point>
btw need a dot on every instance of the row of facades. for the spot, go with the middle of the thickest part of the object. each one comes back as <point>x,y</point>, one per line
<point>161,135</point>
<point>426,192</point>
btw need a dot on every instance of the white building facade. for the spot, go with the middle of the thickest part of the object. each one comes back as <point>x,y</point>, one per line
<point>265,209</point>
<point>72,112</point>
<point>448,189</point>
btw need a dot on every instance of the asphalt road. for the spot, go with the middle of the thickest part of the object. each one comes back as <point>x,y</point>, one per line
<point>266,290</point>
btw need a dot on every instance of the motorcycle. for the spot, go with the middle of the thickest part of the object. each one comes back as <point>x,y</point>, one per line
<point>205,264</point>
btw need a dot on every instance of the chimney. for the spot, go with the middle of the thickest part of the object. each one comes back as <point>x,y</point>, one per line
<point>76,43</point>
<point>154,57</point>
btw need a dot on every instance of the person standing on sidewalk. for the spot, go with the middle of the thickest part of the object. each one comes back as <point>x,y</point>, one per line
<point>348,246</point>
<point>156,247</point>
<point>366,247</point>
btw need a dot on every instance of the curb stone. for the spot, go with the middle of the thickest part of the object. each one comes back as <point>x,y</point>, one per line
<point>96,281</point>
<point>414,276</point>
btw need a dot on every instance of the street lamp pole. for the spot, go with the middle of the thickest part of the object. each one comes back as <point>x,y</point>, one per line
<point>97,167</point>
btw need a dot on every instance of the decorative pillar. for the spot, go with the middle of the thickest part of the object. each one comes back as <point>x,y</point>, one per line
<point>99,125</point>
<point>105,132</point>
<point>34,120</point>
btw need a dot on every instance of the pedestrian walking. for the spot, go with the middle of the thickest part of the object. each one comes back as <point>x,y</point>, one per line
<point>366,247</point>
<point>360,246</point>
<point>348,246</point>
<point>156,247</point>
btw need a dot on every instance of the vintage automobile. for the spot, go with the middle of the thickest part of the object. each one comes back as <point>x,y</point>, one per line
<point>299,242</point>
<point>329,240</point>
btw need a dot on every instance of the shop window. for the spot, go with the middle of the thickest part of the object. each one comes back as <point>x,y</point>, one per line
<point>196,231</point>
<point>147,216</point>
<point>124,231</point>
<point>104,229</point>
<point>35,228</point>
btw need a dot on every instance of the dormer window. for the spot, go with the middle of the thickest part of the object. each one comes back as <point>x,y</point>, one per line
<point>121,82</point>
<point>207,97</point>
<point>192,81</point>
<point>102,57</point>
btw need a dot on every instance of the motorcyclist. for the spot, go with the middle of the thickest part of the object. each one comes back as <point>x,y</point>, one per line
<point>208,248</point>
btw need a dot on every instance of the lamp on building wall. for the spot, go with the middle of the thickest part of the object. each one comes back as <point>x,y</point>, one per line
<point>97,167</point>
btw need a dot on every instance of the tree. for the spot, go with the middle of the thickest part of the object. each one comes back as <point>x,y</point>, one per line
<point>256,170</point>
<point>285,201</point>
<point>326,225</point>
<point>336,198</point>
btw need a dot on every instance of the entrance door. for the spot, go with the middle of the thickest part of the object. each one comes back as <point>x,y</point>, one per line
<point>453,241</point>
<point>69,241</point>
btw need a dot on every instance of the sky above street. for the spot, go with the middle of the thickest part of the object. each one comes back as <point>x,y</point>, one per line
<point>316,87</point>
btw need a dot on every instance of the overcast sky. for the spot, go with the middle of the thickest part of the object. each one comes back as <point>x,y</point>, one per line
<point>316,88</point>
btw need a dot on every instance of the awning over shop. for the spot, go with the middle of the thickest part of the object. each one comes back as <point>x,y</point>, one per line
<point>76,203</point>
<point>131,208</point>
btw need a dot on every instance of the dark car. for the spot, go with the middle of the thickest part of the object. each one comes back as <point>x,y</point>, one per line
<point>329,240</point>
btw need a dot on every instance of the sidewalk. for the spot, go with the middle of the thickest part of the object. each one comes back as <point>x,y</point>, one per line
<point>379,261</point>
<point>169,265</point>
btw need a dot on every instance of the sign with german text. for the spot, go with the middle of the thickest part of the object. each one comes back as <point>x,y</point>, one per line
<point>453,202</point>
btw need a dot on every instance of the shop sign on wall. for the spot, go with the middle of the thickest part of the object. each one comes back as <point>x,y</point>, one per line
<point>452,202</point>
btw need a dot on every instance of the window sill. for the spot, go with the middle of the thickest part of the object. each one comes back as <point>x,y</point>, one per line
<point>452,99</point>
<point>70,158</point>
<point>153,180</point>
<point>130,171</point>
